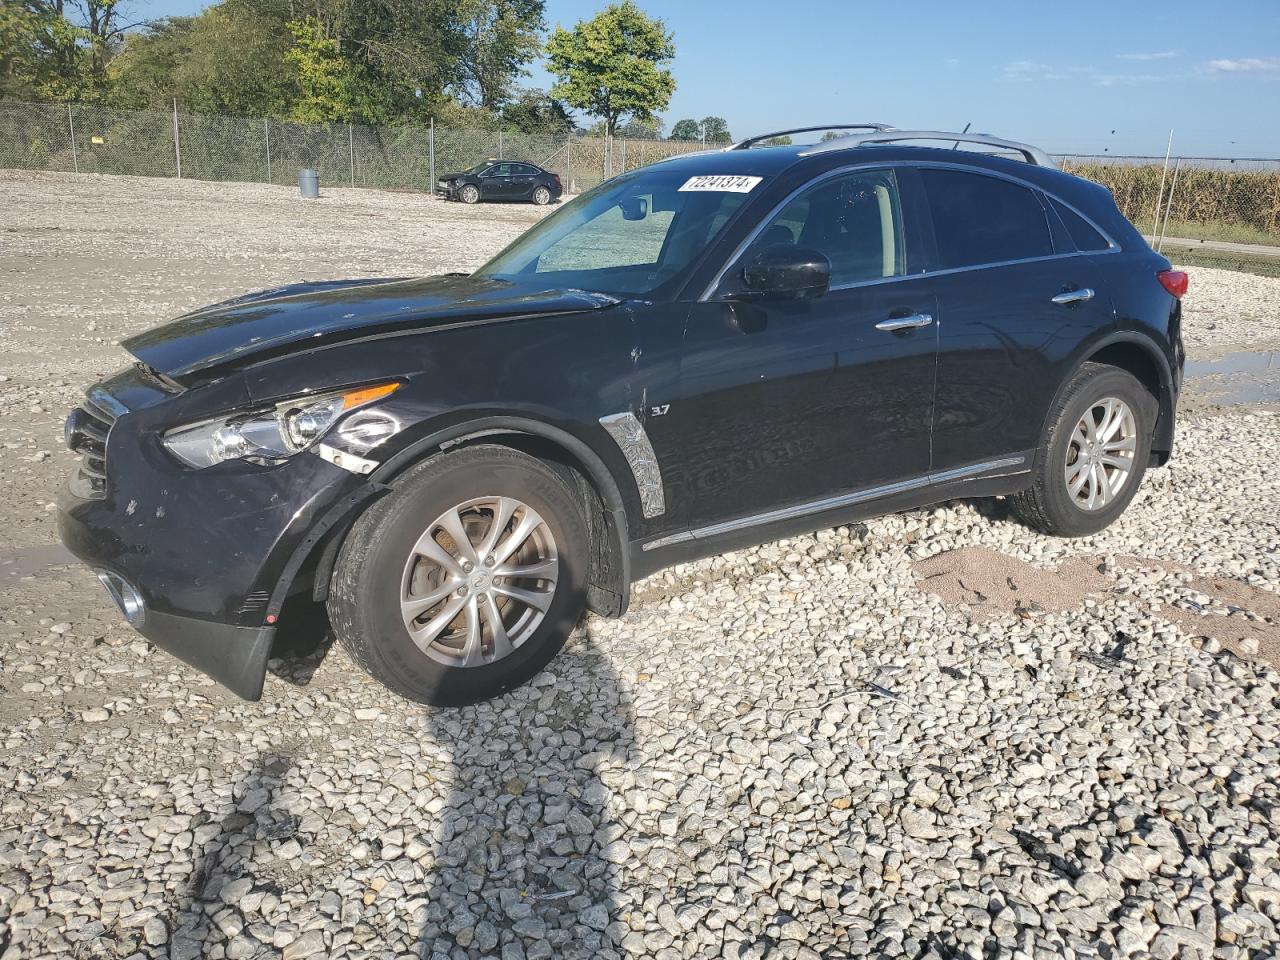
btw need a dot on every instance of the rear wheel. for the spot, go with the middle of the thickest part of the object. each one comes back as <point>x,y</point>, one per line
<point>469,194</point>
<point>541,196</point>
<point>1093,455</point>
<point>466,580</point>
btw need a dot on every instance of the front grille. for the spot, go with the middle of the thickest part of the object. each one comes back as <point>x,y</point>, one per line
<point>87,430</point>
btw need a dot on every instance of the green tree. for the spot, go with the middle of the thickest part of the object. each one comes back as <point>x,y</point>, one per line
<point>614,65</point>
<point>325,77</point>
<point>533,111</point>
<point>686,130</point>
<point>497,41</point>
<point>715,130</point>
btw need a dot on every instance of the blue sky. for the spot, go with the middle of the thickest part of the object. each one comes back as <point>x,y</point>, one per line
<point>1079,76</point>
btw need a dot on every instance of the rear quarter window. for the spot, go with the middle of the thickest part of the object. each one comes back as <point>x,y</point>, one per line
<point>1085,237</point>
<point>979,219</point>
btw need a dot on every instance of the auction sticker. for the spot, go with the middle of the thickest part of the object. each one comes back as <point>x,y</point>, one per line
<point>722,183</point>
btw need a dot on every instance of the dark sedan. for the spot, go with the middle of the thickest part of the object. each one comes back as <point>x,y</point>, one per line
<point>501,180</point>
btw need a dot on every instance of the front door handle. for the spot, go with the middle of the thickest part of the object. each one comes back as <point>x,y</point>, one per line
<point>1068,297</point>
<point>906,323</point>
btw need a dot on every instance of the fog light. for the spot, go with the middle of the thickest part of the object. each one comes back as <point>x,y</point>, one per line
<point>126,597</point>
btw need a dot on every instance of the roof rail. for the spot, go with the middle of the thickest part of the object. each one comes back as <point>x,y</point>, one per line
<point>752,141</point>
<point>1033,155</point>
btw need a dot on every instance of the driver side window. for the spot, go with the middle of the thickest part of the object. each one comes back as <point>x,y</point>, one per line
<point>854,220</point>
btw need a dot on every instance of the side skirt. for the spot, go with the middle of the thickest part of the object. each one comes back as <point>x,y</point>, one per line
<point>997,478</point>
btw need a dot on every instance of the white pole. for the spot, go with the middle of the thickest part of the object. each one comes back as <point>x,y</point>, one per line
<point>499,144</point>
<point>568,161</point>
<point>1160,194</point>
<point>1169,204</point>
<point>431,147</point>
<point>351,151</point>
<point>75,159</point>
<point>177,143</point>
<point>266,129</point>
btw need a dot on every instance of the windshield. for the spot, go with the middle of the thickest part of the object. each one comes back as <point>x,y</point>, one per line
<point>472,171</point>
<point>629,236</point>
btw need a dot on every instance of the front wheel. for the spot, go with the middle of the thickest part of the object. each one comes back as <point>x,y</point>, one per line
<point>1093,455</point>
<point>469,194</point>
<point>541,196</point>
<point>464,581</point>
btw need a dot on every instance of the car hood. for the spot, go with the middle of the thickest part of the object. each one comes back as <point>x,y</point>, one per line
<point>257,326</point>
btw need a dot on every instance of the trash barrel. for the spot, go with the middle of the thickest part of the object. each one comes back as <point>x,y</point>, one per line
<point>309,183</point>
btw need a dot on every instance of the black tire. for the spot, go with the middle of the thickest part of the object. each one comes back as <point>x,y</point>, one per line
<point>365,594</point>
<point>469,194</point>
<point>1048,506</point>
<point>541,196</point>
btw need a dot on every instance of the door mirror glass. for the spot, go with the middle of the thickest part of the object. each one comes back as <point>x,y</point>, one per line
<point>788,270</point>
<point>634,208</point>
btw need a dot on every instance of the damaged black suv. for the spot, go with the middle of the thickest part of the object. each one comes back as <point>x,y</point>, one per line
<point>710,352</point>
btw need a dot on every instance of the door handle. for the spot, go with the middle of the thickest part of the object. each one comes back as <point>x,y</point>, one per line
<point>1068,297</point>
<point>906,323</point>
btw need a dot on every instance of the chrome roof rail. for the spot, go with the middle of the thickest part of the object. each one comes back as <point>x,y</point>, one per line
<point>1033,155</point>
<point>752,141</point>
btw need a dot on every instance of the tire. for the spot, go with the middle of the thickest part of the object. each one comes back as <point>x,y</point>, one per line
<point>541,196</point>
<point>469,194</point>
<point>381,564</point>
<point>1050,505</point>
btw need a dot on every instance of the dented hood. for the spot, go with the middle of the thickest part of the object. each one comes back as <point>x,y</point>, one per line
<point>265,324</point>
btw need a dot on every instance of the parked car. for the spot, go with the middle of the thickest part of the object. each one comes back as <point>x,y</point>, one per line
<point>713,351</point>
<point>501,180</point>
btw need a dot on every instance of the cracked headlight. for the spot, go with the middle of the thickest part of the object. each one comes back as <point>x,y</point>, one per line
<point>273,434</point>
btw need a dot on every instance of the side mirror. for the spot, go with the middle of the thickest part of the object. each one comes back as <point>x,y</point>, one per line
<point>786,270</point>
<point>634,208</point>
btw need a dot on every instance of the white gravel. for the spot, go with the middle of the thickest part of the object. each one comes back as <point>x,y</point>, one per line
<point>792,751</point>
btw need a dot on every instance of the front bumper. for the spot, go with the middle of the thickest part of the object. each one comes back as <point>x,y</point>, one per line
<point>200,560</point>
<point>444,188</point>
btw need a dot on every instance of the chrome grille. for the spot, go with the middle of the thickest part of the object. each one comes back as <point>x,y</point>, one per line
<point>87,430</point>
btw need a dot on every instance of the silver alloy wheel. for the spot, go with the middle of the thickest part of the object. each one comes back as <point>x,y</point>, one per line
<point>470,193</point>
<point>479,581</point>
<point>541,196</point>
<point>1100,454</point>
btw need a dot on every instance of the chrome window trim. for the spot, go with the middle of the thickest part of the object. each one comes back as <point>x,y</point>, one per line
<point>972,471</point>
<point>935,164</point>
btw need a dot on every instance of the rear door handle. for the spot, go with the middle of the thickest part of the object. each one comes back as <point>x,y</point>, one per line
<point>906,323</point>
<point>1068,297</point>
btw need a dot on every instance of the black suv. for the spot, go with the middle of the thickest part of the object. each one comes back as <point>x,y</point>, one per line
<point>709,352</point>
<point>501,180</point>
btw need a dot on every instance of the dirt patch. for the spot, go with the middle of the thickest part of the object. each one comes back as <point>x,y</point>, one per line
<point>987,584</point>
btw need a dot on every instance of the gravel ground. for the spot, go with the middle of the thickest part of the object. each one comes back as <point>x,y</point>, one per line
<point>856,743</point>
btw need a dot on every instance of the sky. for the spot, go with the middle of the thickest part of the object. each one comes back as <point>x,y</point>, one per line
<point>1081,76</point>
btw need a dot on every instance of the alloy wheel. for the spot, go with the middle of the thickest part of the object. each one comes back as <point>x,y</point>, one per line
<point>542,196</point>
<point>479,581</point>
<point>1100,454</point>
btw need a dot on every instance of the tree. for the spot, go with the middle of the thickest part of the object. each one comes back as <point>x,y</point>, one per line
<point>715,130</point>
<point>498,39</point>
<point>533,111</point>
<point>614,65</point>
<point>686,130</point>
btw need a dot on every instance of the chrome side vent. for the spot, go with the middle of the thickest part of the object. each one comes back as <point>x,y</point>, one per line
<point>86,432</point>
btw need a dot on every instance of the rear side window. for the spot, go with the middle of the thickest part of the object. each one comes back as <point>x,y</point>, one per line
<point>979,219</point>
<point>1084,236</point>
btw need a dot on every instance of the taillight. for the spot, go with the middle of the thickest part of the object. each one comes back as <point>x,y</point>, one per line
<point>557,176</point>
<point>1175,281</point>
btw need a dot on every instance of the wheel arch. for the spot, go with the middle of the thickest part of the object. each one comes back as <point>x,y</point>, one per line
<point>609,581</point>
<point>1140,356</point>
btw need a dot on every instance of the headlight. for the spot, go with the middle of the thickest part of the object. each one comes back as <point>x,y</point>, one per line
<point>273,434</point>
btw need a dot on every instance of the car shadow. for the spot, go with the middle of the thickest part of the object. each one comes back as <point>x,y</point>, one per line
<point>526,845</point>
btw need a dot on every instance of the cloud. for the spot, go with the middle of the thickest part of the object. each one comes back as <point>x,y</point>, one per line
<point>1157,55</point>
<point>1244,65</point>
<point>1022,71</point>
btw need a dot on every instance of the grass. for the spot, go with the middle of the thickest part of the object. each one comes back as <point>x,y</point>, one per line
<point>1230,232</point>
<point>1184,256</point>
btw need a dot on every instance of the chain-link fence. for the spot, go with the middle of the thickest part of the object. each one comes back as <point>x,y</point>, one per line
<point>90,139</point>
<point>1202,199</point>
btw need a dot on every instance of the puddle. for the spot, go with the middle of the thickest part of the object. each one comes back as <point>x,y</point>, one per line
<point>1247,377</point>
<point>29,561</point>
<point>1246,361</point>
